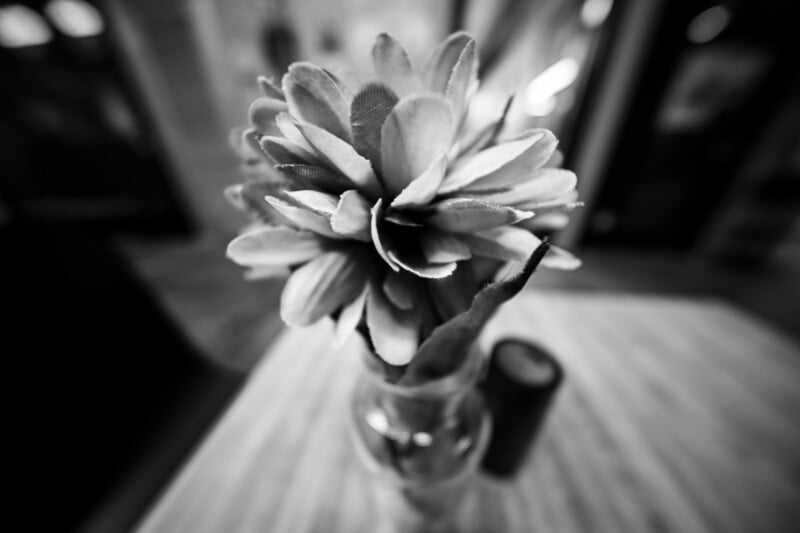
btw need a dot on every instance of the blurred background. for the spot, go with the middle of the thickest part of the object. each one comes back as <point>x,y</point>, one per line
<point>681,119</point>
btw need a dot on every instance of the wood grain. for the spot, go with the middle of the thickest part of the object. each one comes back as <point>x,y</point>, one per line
<point>677,415</point>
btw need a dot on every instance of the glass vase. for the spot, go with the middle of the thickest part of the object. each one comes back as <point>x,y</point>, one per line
<point>423,442</point>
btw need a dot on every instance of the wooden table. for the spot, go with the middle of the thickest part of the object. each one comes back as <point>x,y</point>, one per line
<point>677,415</point>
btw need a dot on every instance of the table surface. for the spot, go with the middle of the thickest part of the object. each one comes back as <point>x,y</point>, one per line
<point>677,415</point>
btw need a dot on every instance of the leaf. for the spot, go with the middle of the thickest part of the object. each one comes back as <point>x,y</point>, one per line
<point>392,64</point>
<point>343,157</point>
<point>321,286</point>
<point>399,288</point>
<point>422,190</point>
<point>465,215</point>
<point>274,246</point>
<point>285,152</point>
<point>502,165</point>
<point>304,217</point>
<point>263,111</point>
<point>318,202</point>
<point>375,220</point>
<point>439,66</point>
<point>449,344</point>
<point>394,332</point>
<point>270,88</point>
<point>507,243</point>
<point>416,133</point>
<point>421,268</point>
<point>440,247</point>
<point>369,110</point>
<point>314,177</point>
<point>349,318</point>
<point>314,97</point>
<point>352,217</point>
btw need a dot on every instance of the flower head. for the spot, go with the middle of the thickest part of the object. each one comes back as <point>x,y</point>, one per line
<point>375,201</point>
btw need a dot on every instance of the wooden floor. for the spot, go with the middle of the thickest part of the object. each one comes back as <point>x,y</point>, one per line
<point>677,415</point>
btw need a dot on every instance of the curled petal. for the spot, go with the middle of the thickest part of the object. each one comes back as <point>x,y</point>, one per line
<point>422,268</point>
<point>502,165</point>
<point>274,246</point>
<point>314,96</point>
<point>508,243</point>
<point>552,221</point>
<point>263,111</point>
<point>352,217</point>
<point>422,189</point>
<point>321,286</point>
<point>392,64</point>
<point>376,213</point>
<point>343,158</point>
<point>416,133</point>
<point>464,215</point>
<point>394,332</point>
<point>304,217</point>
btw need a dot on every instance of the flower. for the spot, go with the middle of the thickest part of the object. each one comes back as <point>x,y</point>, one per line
<point>378,205</point>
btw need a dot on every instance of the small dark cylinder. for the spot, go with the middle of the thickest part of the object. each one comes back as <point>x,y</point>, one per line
<point>520,385</point>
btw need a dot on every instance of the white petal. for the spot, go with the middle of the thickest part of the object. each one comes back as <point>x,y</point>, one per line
<point>321,286</point>
<point>270,88</point>
<point>349,318</point>
<point>545,184</point>
<point>352,217</point>
<point>560,259</point>
<point>422,268</point>
<point>283,151</point>
<point>392,65</point>
<point>319,202</point>
<point>465,215</point>
<point>394,332</point>
<point>271,245</point>
<point>260,272</point>
<point>314,97</point>
<point>440,247</point>
<point>439,66</point>
<point>344,158</point>
<point>263,111</point>
<point>416,133</point>
<point>502,165</point>
<point>289,129</point>
<point>304,218</point>
<point>375,220</point>
<point>422,190</point>
<point>507,243</point>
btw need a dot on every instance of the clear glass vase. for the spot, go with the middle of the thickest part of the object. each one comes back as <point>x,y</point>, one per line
<point>423,443</point>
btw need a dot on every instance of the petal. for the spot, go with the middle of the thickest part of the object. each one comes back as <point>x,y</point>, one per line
<point>289,129</point>
<point>560,259</point>
<point>263,111</point>
<point>507,243</point>
<point>394,332</point>
<point>392,65</point>
<point>321,286</point>
<point>314,177</point>
<point>368,112</point>
<point>304,218</point>
<point>440,247</point>
<point>283,151</point>
<point>349,318</point>
<point>250,197</point>
<point>376,214</point>
<point>399,288</point>
<point>439,66</point>
<point>422,190</point>
<point>553,221</point>
<point>464,215</point>
<point>314,97</point>
<point>319,202</point>
<point>416,133</point>
<point>274,246</point>
<point>270,88</point>
<point>453,295</point>
<point>260,272</point>
<point>488,135</point>
<point>421,268</point>
<point>502,165</point>
<point>556,160</point>
<point>343,158</point>
<point>352,217</point>
<point>545,184</point>
<point>463,81</point>
<point>445,349</point>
